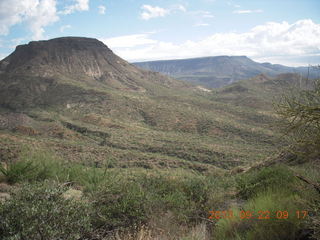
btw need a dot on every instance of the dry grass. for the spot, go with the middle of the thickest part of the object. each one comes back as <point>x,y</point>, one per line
<point>198,232</point>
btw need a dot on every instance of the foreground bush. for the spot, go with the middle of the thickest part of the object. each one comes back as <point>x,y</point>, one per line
<point>274,177</point>
<point>300,112</point>
<point>33,166</point>
<point>140,199</point>
<point>120,204</point>
<point>40,212</point>
<point>265,205</point>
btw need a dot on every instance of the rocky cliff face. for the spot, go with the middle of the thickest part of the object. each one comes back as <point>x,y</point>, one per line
<point>68,55</point>
<point>46,72</point>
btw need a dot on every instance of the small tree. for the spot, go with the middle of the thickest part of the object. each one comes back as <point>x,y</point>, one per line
<point>301,114</point>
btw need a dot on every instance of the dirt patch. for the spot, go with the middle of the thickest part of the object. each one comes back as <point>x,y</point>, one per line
<point>13,120</point>
<point>26,131</point>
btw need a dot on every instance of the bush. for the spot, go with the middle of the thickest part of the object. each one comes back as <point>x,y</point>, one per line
<point>175,193</point>
<point>314,220</point>
<point>120,204</point>
<point>274,177</point>
<point>300,112</point>
<point>134,200</point>
<point>39,212</point>
<point>259,229</point>
<point>33,166</point>
<point>18,171</point>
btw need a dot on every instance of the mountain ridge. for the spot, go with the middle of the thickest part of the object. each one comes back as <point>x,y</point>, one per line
<point>217,71</point>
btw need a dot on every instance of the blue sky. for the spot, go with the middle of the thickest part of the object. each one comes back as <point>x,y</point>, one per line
<point>276,31</point>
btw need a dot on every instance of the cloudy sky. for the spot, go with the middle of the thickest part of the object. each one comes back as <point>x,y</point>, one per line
<point>276,31</point>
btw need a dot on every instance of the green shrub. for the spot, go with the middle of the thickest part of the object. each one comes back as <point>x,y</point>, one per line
<point>197,190</point>
<point>18,171</point>
<point>204,125</point>
<point>174,193</point>
<point>40,212</point>
<point>34,166</point>
<point>132,200</point>
<point>274,177</point>
<point>259,229</point>
<point>301,119</point>
<point>314,220</point>
<point>119,204</point>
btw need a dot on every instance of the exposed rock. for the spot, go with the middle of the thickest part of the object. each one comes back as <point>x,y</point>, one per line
<point>4,197</point>
<point>4,187</point>
<point>72,194</point>
<point>237,170</point>
<point>13,120</point>
<point>69,70</point>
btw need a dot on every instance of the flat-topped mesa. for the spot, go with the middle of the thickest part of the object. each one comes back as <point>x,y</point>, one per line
<point>64,70</point>
<point>66,55</point>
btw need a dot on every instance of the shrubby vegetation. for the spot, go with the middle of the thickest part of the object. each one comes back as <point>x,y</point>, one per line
<point>266,179</point>
<point>38,211</point>
<point>278,187</point>
<point>271,189</point>
<point>118,200</point>
<point>300,112</point>
<point>129,200</point>
<point>114,199</point>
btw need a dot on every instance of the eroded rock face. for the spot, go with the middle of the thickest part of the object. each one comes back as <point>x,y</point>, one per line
<point>67,70</point>
<point>70,55</point>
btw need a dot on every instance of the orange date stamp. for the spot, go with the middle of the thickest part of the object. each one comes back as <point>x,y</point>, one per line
<point>260,215</point>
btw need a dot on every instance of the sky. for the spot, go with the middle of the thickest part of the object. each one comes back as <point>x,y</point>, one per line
<point>277,31</point>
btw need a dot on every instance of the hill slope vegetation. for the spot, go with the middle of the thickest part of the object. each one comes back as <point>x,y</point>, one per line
<point>92,147</point>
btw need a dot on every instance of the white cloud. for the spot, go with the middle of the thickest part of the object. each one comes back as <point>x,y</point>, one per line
<point>230,3</point>
<point>247,11</point>
<point>153,12</point>
<point>129,41</point>
<point>43,15</point>
<point>201,14</point>
<point>36,13</point>
<point>201,25</point>
<point>102,9</point>
<point>178,7</point>
<point>64,27</point>
<point>272,40</point>
<point>79,5</point>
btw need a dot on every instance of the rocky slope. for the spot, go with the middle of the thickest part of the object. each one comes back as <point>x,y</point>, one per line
<point>53,71</point>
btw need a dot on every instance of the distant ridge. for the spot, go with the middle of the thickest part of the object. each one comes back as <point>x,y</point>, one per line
<point>217,71</point>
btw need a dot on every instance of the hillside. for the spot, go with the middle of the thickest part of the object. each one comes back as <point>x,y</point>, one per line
<point>214,72</point>
<point>77,91</point>
<point>92,147</point>
<point>63,70</point>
